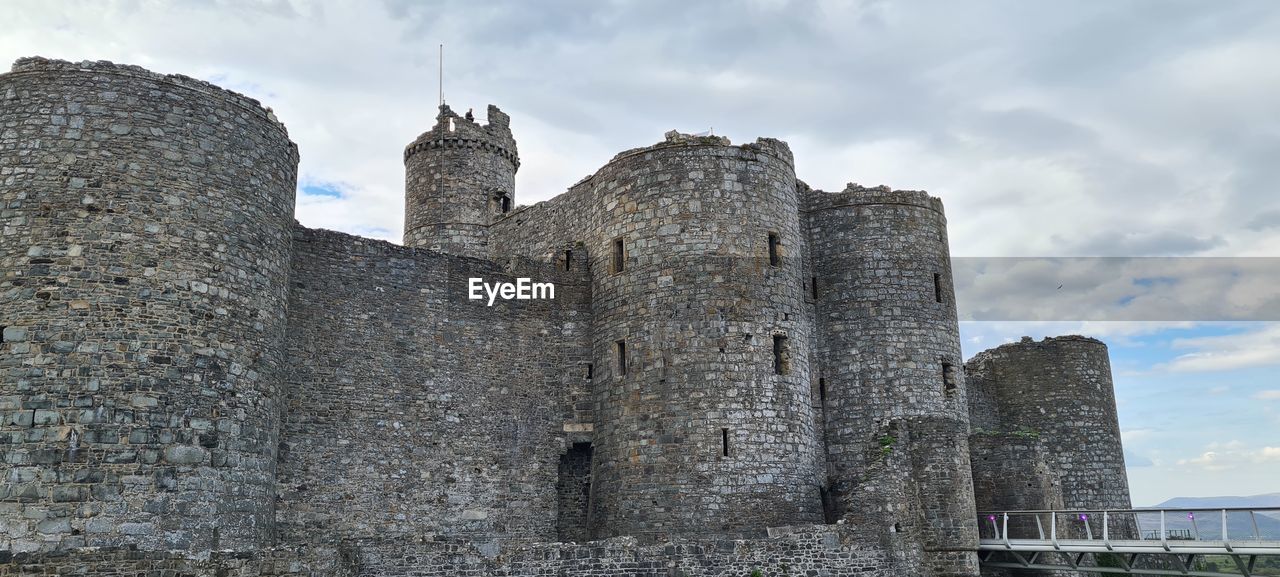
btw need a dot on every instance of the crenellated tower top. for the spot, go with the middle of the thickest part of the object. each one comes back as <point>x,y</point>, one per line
<point>459,179</point>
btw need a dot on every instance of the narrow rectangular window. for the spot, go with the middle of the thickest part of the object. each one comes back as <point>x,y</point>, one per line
<point>619,255</point>
<point>774,258</point>
<point>568,260</point>
<point>779,354</point>
<point>937,287</point>
<point>590,369</point>
<point>2,328</point>
<point>813,284</point>
<point>822,391</point>
<point>621,348</point>
<point>948,379</point>
<point>724,442</point>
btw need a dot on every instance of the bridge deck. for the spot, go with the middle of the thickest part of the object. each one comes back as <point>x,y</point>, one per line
<point>1133,546</point>
<point>1125,541</point>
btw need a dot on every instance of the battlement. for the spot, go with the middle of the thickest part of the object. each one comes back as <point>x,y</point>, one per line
<point>982,360</point>
<point>453,131</point>
<point>40,65</point>
<point>855,194</point>
<point>675,139</point>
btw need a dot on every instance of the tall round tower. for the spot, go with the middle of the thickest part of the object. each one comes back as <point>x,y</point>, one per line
<point>1060,388</point>
<point>145,259</point>
<point>459,177</point>
<point>889,369</point>
<point>704,423</point>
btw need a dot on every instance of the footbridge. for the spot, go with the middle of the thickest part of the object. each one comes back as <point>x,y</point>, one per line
<point>1199,542</point>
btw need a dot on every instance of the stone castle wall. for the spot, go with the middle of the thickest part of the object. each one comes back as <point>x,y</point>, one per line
<point>888,359</point>
<point>829,551</point>
<point>1059,390</point>
<point>130,562</point>
<point>413,410</point>
<point>188,369</point>
<point>145,258</point>
<point>703,423</point>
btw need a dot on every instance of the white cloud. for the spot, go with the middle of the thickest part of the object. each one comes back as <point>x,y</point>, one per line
<point>979,335</point>
<point>1252,348</point>
<point>1119,289</point>
<point>1132,459</point>
<point>1271,395</point>
<point>1210,461</point>
<point>1036,147</point>
<point>1231,455</point>
<point>1136,435</point>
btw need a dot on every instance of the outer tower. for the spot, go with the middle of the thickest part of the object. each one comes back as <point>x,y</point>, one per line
<point>704,423</point>
<point>145,258</point>
<point>889,372</point>
<point>459,177</point>
<point>1060,390</point>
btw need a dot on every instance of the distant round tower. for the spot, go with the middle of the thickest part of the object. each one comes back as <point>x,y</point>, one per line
<point>145,260</point>
<point>459,177</point>
<point>704,421</point>
<point>1060,390</point>
<point>889,366</point>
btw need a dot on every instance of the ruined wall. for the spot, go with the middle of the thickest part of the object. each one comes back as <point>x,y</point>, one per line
<point>413,410</point>
<point>1060,389</point>
<point>459,177</point>
<point>829,551</point>
<point>129,562</point>
<point>889,355</point>
<point>145,259</point>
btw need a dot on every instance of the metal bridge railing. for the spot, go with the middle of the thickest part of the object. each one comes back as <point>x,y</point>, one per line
<point>1130,541</point>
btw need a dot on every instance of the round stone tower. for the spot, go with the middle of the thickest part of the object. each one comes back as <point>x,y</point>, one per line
<point>459,177</point>
<point>889,370</point>
<point>704,421</point>
<point>1060,389</point>
<point>145,257</point>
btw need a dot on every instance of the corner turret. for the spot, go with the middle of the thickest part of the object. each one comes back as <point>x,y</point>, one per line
<point>459,179</point>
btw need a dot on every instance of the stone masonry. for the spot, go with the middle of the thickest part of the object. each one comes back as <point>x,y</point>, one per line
<point>737,373</point>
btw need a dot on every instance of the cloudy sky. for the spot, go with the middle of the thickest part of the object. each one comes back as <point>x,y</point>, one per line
<point>1064,129</point>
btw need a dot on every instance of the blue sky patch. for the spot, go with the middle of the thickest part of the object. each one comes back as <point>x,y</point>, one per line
<point>326,189</point>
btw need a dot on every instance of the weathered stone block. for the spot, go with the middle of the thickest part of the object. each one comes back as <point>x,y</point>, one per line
<point>185,455</point>
<point>15,334</point>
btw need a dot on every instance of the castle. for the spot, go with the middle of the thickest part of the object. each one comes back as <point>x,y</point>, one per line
<point>737,373</point>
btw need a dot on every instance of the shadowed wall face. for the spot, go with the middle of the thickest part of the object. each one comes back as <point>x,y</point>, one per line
<point>413,410</point>
<point>145,258</point>
<point>1060,391</point>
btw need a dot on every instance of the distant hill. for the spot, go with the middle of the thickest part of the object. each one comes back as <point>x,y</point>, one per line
<point>1266,500</point>
<point>1239,525</point>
